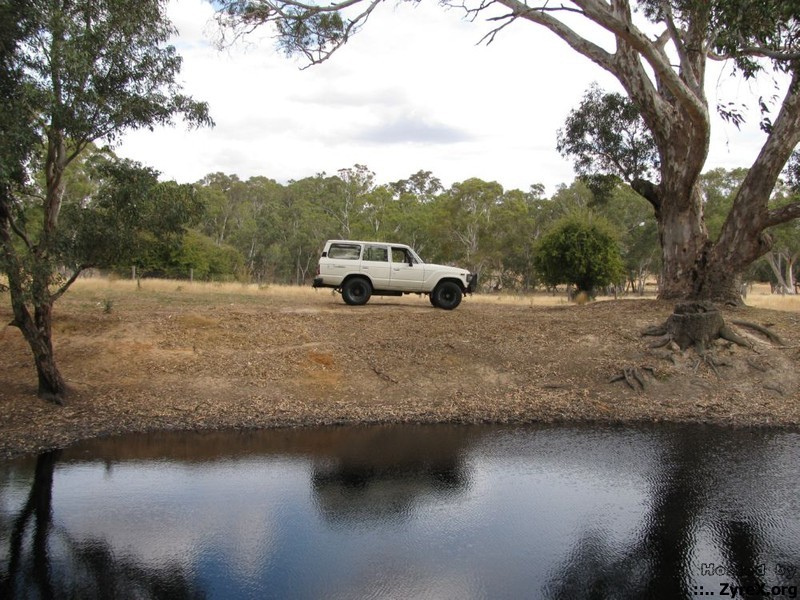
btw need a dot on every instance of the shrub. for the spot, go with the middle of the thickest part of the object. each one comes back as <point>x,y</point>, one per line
<point>579,249</point>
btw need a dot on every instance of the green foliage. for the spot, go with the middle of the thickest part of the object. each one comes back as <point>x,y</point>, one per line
<point>637,232</point>
<point>131,218</point>
<point>205,259</point>
<point>608,139</point>
<point>581,250</point>
<point>719,187</point>
<point>74,73</point>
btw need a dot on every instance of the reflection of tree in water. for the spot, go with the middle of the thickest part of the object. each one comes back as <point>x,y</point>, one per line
<point>381,474</point>
<point>658,563</point>
<point>46,563</point>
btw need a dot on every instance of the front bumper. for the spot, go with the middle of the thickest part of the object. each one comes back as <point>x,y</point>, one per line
<point>473,283</point>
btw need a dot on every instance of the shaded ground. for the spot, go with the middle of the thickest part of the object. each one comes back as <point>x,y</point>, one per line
<point>178,359</point>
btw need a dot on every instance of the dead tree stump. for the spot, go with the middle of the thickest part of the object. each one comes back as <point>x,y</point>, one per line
<point>696,324</point>
<point>692,324</point>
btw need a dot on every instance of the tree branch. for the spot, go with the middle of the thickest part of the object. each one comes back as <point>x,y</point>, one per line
<point>783,214</point>
<point>540,16</point>
<point>20,233</point>
<point>599,12</point>
<point>60,291</point>
<point>680,47</point>
<point>647,190</point>
<point>243,19</point>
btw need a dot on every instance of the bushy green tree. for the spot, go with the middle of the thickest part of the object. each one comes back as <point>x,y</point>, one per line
<point>71,73</point>
<point>581,250</point>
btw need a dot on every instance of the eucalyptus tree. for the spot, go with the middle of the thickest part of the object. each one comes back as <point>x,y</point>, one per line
<point>222,195</point>
<point>518,223</point>
<point>638,235</point>
<point>414,212</point>
<point>470,207</point>
<point>307,220</point>
<point>348,205</point>
<point>73,73</point>
<point>609,142</point>
<point>784,255</point>
<point>664,75</point>
<point>719,189</point>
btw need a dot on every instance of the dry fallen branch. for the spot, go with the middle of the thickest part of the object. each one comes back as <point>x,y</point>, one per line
<point>383,375</point>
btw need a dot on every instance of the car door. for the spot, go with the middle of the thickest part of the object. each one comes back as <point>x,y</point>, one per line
<point>408,274</point>
<point>375,265</point>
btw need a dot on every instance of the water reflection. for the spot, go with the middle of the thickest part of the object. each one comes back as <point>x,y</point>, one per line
<point>381,475</point>
<point>386,512</point>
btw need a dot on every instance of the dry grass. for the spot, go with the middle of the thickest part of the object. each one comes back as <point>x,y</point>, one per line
<point>761,297</point>
<point>100,289</point>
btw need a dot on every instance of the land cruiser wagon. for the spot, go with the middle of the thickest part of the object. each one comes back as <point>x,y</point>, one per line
<point>359,270</point>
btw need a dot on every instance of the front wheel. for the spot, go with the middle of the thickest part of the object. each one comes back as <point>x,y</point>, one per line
<point>447,295</point>
<point>356,291</point>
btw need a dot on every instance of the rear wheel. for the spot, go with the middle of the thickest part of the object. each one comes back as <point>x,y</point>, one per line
<point>356,291</point>
<point>432,298</point>
<point>447,295</point>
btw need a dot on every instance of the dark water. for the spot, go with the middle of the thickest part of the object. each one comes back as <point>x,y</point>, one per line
<point>408,512</point>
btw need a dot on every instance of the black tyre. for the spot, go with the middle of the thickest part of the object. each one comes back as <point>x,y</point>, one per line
<point>356,291</point>
<point>447,295</point>
<point>432,298</point>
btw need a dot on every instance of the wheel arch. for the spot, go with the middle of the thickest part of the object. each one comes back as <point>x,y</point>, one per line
<point>356,276</point>
<point>455,280</point>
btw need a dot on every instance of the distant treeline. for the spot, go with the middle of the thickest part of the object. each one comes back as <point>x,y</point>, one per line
<point>258,230</point>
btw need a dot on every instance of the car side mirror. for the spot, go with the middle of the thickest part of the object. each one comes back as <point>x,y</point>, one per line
<point>410,262</point>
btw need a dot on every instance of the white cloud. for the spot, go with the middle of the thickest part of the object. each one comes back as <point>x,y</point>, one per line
<point>414,90</point>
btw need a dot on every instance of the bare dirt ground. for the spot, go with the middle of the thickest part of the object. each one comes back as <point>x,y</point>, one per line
<point>177,356</point>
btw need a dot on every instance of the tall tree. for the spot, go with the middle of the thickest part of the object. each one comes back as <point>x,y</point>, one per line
<point>74,72</point>
<point>663,74</point>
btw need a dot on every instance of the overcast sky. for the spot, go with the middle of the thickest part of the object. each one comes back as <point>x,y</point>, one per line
<point>413,91</point>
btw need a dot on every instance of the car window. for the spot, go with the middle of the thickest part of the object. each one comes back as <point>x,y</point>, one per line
<point>399,255</point>
<point>376,253</point>
<point>344,251</point>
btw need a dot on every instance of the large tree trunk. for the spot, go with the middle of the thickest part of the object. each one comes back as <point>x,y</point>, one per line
<point>684,243</point>
<point>37,331</point>
<point>36,328</point>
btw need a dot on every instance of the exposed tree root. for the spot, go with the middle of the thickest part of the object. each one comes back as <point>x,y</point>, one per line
<point>726,333</point>
<point>710,360</point>
<point>694,325</point>
<point>634,377</point>
<point>771,336</point>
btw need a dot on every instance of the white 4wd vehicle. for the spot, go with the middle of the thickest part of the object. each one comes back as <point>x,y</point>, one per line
<point>360,269</point>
